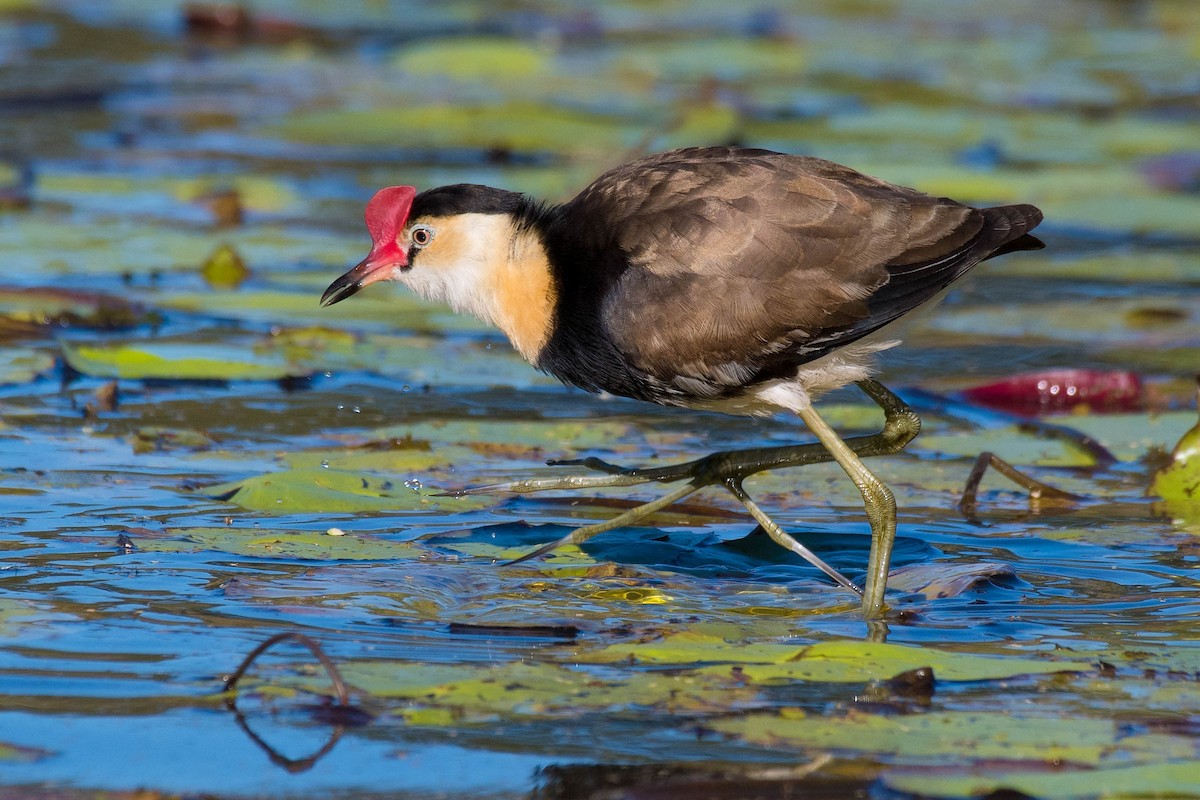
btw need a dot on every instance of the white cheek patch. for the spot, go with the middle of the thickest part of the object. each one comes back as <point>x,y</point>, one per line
<point>457,267</point>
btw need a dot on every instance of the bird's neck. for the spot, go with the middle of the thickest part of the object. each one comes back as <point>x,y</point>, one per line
<point>524,292</point>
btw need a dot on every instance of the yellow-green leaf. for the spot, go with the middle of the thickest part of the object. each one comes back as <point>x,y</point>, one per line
<point>334,491</point>
<point>170,362</point>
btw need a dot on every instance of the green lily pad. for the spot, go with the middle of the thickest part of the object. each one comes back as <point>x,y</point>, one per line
<point>329,491</point>
<point>954,736</point>
<point>1177,779</point>
<point>174,361</point>
<point>490,59</point>
<point>386,460</point>
<point>836,661</point>
<point>268,543</point>
<point>536,689</point>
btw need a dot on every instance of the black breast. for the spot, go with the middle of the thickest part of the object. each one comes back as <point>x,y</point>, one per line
<point>587,265</point>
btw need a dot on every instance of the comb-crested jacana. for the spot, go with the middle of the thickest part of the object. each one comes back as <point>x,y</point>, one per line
<point>720,278</point>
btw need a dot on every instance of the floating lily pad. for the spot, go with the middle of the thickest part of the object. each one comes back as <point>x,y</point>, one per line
<point>836,661</point>
<point>950,737</point>
<point>475,59</point>
<point>330,491</point>
<point>1177,779</point>
<point>268,543</point>
<point>536,690</point>
<point>180,362</point>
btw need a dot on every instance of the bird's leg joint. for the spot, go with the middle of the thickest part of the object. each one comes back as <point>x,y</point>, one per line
<point>900,424</point>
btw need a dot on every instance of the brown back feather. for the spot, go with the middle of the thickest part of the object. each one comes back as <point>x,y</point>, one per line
<point>746,263</point>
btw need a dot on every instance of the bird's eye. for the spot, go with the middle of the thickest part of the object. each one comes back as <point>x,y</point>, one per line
<point>422,235</point>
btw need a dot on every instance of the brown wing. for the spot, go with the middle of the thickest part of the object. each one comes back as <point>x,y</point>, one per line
<point>743,263</point>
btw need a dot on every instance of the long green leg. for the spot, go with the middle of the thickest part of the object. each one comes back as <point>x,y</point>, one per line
<point>784,539</point>
<point>580,535</point>
<point>880,505</point>
<point>731,467</point>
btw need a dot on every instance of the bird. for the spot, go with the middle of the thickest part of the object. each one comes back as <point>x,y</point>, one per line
<point>729,279</point>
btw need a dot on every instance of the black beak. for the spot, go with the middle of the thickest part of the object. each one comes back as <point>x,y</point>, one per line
<point>343,287</point>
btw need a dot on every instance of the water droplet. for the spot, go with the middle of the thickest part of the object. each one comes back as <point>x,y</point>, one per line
<point>414,484</point>
<point>324,464</point>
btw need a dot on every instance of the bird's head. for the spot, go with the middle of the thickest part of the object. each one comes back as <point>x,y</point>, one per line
<point>394,242</point>
<point>446,243</point>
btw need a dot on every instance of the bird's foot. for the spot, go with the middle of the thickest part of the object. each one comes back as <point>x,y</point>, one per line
<point>726,468</point>
<point>612,475</point>
<point>610,478</point>
<point>730,468</point>
<point>1038,492</point>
